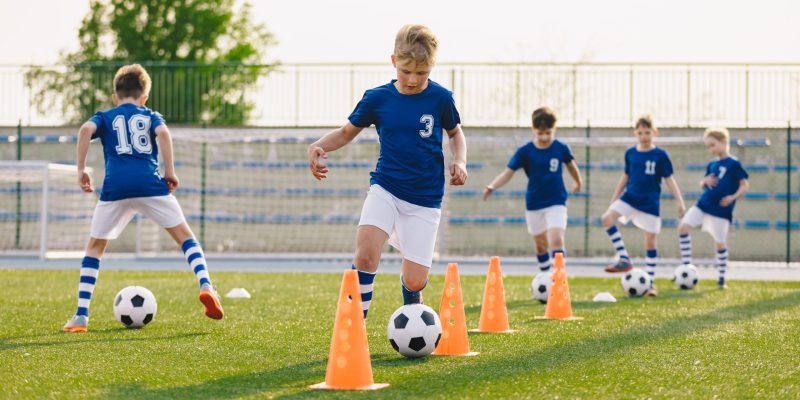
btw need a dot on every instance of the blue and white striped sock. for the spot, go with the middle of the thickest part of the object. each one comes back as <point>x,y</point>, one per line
<point>411,297</point>
<point>90,268</point>
<point>722,264</point>
<point>686,248</point>
<point>650,261</point>
<point>197,261</point>
<point>619,245</point>
<point>545,262</point>
<point>366,281</point>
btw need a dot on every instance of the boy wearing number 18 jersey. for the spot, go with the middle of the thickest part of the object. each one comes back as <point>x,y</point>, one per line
<point>132,135</point>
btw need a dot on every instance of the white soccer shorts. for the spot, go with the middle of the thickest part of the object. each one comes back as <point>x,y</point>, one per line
<point>546,218</point>
<point>111,217</point>
<point>411,228</point>
<point>717,227</point>
<point>646,222</point>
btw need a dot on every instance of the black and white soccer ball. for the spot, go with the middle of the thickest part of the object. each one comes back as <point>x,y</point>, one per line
<point>135,306</point>
<point>540,286</point>
<point>414,330</point>
<point>636,282</point>
<point>686,276</point>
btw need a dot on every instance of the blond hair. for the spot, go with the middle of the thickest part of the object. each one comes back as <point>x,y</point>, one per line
<point>645,121</point>
<point>131,81</point>
<point>720,134</point>
<point>416,43</point>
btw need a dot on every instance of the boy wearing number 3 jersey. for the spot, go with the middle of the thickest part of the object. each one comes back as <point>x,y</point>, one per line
<point>403,204</point>
<point>132,135</point>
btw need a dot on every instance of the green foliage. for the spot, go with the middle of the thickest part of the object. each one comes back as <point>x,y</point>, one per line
<point>201,56</point>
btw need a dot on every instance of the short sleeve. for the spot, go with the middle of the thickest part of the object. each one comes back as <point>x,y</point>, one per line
<point>627,163</point>
<point>567,155</point>
<point>97,119</point>
<point>708,169</point>
<point>517,161</point>
<point>666,166</point>
<point>740,172</point>
<point>450,116</point>
<point>156,120</point>
<point>364,114</point>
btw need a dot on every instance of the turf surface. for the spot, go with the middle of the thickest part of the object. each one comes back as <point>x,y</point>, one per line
<point>739,343</point>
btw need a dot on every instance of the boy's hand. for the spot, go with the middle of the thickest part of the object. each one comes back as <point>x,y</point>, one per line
<point>727,200</point>
<point>458,173</point>
<point>681,210</point>
<point>710,181</point>
<point>316,162</point>
<point>487,191</point>
<point>577,187</point>
<point>85,182</point>
<point>172,181</point>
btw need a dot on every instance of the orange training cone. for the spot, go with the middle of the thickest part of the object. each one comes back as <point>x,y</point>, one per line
<point>349,366</point>
<point>454,340</point>
<point>559,305</point>
<point>494,316</point>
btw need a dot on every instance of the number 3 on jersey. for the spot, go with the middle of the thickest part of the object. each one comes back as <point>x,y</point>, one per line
<point>426,119</point>
<point>139,127</point>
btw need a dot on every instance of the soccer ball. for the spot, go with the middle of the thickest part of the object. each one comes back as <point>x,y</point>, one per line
<point>686,276</point>
<point>135,306</point>
<point>414,330</point>
<point>540,286</point>
<point>635,282</point>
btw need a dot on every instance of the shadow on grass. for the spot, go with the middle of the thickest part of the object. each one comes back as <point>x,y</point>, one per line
<point>295,377</point>
<point>68,339</point>
<point>566,354</point>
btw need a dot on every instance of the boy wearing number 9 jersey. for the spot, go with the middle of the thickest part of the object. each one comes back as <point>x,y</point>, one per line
<point>131,135</point>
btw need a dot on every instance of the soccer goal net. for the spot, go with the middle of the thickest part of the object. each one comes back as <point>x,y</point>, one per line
<point>42,209</point>
<point>250,192</point>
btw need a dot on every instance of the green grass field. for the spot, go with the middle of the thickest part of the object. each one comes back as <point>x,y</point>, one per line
<point>706,343</point>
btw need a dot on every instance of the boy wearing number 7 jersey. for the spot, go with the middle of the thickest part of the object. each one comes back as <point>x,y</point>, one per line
<point>131,135</point>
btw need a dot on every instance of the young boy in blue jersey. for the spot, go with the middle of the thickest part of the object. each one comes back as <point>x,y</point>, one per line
<point>637,197</point>
<point>131,135</point>
<point>403,204</point>
<point>724,183</point>
<point>546,197</point>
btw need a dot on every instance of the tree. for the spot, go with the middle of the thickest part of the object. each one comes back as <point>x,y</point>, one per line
<point>201,54</point>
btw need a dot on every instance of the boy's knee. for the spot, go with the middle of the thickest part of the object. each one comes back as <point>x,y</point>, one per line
<point>650,241</point>
<point>415,283</point>
<point>366,262</point>
<point>608,220</point>
<point>683,229</point>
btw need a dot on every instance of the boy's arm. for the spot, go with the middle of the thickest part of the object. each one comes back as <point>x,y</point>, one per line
<point>84,137</point>
<point>575,173</point>
<point>332,141</point>
<point>498,182</point>
<point>676,192</point>
<point>458,149</point>
<point>164,139</point>
<point>744,186</point>
<point>620,187</point>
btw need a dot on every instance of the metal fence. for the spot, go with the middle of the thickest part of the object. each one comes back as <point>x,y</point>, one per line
<point>489,95</point>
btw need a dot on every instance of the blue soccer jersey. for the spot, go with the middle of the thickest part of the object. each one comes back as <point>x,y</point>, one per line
<point>729,172</point>
<point>128,134</point>
<point>543,167</point>
<point>645,170</point>
<point>411,162</point>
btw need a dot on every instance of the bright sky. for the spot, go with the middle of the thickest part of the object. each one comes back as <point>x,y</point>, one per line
<point>34,31</point>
